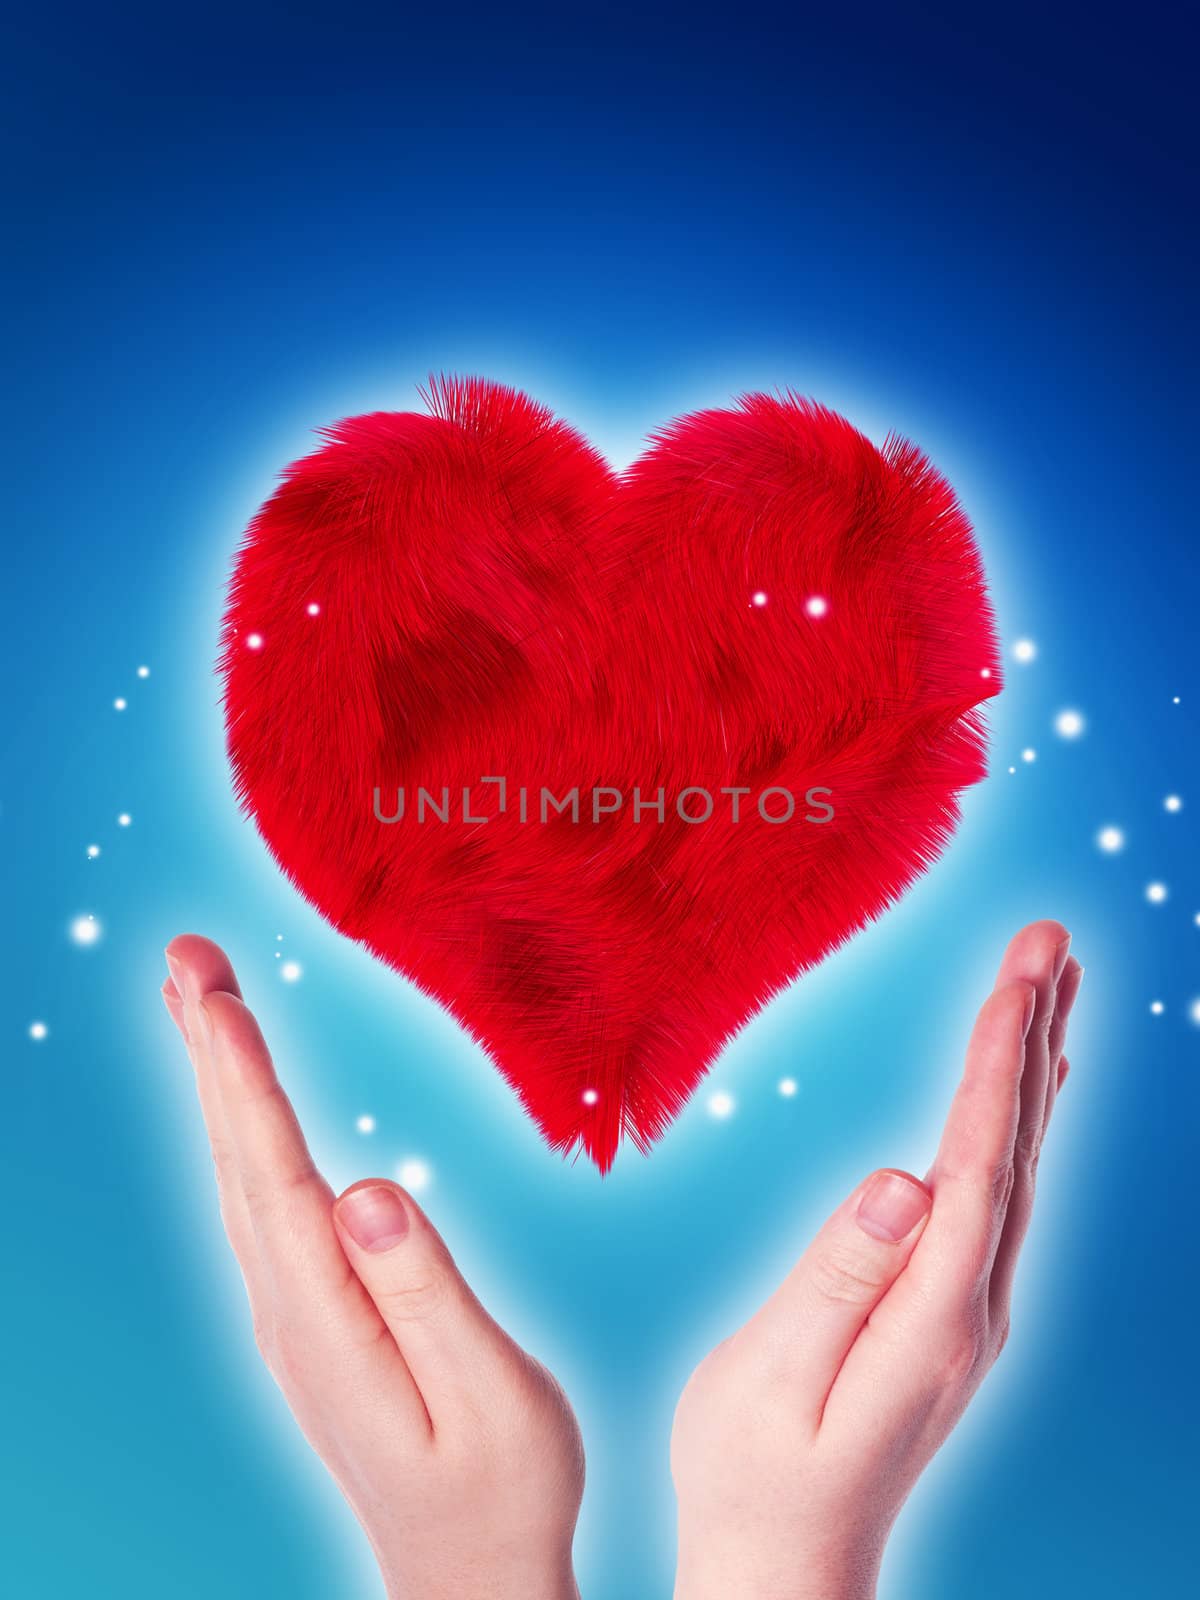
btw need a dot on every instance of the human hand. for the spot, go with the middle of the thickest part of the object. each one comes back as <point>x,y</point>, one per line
<point>457,1452</point>
<point>797,1441</point>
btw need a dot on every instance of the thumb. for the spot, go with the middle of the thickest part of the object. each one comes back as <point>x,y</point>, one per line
<point>449,1342</point>
<point>812,1320</point>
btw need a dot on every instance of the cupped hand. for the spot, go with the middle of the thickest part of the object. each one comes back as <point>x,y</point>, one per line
<point>797,1440</point>
<point>457,1452</point>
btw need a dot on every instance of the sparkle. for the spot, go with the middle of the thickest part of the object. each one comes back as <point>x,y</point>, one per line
<point>38,1030</point>
<point>985,672</point>
<point>278,938</point>
<point>254,641</point>
<point>313,609</point>
<point>1111,839</point>
<point>1175,700</point>
<point>143,672</point>
<point>279,955</point>
<point>93,850</point>
<point>1173,803</point>
<point>85,930</point>
<point>816,605</point>
<point>1196,919</point>
<point>1029,755</point>
<point>1156,1008</point>
<point>291,972</point>
<point>1069,724</point>
<point>721,1105</point>
<point>124,820</point>
<point>758,598</point>
<point>1024,651</point>
<point>787,1087</point>
<point>1194,1013</point>
<point>120,703</point>
<point>414,1174</point>
<point>1012,769</point>
<point>1156,893</point>
<point>365,1124</point>
<point>590,1096</point>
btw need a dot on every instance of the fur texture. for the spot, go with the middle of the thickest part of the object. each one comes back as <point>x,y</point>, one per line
<point>495,601</point>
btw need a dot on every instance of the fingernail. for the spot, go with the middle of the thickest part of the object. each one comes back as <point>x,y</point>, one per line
<point>1030,1008</point>
<point>375,1218</point>
<point>176,969</point>
<point>892,1206</point>
<point>1061,953</point>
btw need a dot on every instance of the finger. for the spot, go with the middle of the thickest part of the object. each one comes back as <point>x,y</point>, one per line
<point>450,1344</point>
<point>1020,1210</point>
<point>317,1306</point>
<point>808,1326</point>
<point>197,966</point>
<point>1038,955</point>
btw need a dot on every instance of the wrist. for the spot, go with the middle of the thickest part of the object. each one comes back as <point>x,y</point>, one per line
<point>706,1572</point>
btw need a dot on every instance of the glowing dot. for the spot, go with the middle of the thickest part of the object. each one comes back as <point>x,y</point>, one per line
<point>143,672</point>
<point>313,609</point>
<point>1012,769</point>
<point>1029,755</point>
<point>1024,651</point>
<point>1175,700</point>
<point>365,1124</point>
<point>291,972</point>
<point>985,672</point>
<point>1196,919</point>
<point>254,641</point>
<point>124,820</point>
<point>1069,724</point>
<point>38,1030</point>
<point>758,598</point>
<point>787,1087</point>
<point>1156,1008</point>
<point>1156,893</point>
<point>1194,1013</point>
<point>1111,839</point>
<point>816,605</point>
<point>721,1105</point>
<point>1173,803</point>
<point>279,955</point>
<point>93,850</point>
<point>414,1174</point>
<point>120,703</point>
<point>85,930</point>
<point>590,1096</point>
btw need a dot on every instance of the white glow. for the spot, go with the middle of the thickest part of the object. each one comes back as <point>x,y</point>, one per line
<point>1173,803</point>
<point>590,1096</point>
<point>85,930</point>
<point>758,598</point>
<point>721,1105</point>
<point>1024,651</point>
<point>414,1174</point>
<point>254,641</point>
<point>365,1124</point>
<point>38,1030</point>
<point>1029,755</point>
<point>1069,724</point>
<point>1175,700</point>
<point>787,1087</point>
<point>816,605</point>
<point>1156,1008</point>
<point>120,703</point>
<point>291,972</point>
<point>313,609</point>
<point>143,672</point>
<point>1194,1013</point>
<point>1111,839</point>
<point>124,819</point>
<point>985,672</point>
<point>1156,893</point>
<point>93,850</point>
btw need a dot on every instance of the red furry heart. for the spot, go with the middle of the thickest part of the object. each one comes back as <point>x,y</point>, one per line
<point>763,603</point>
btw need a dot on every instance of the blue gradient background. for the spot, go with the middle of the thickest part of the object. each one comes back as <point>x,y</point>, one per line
<point>231,226</point>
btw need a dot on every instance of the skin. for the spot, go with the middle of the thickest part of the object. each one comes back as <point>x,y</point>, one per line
<point>457,1452</point>
<point>796,1441</point>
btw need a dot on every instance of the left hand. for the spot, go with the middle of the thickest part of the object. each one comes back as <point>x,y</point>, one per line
<point>457,1452</point>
